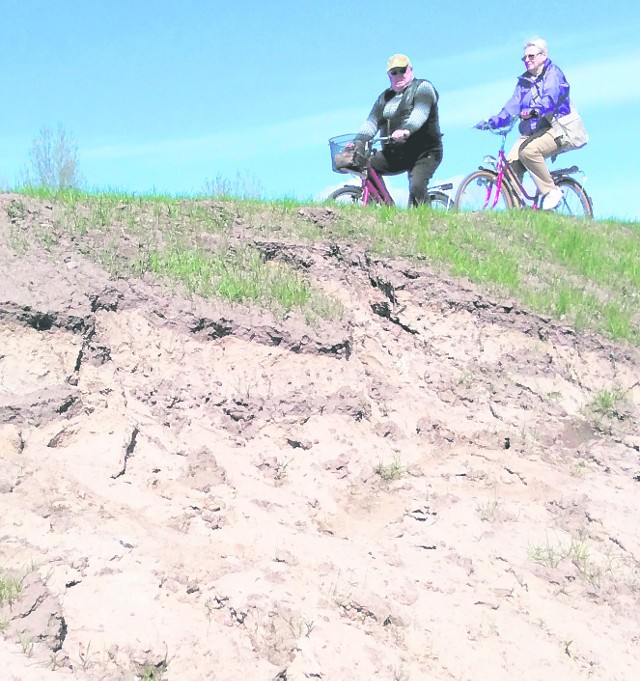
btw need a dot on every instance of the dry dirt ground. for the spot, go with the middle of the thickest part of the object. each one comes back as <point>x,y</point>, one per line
<point>440,486</point>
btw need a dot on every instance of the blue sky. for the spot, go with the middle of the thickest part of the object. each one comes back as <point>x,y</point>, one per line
<point>166,96</point>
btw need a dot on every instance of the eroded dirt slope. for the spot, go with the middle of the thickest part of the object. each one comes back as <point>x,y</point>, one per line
<point>433,487</point>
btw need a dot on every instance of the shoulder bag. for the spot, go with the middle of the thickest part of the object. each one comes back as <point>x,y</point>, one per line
<point>569,131</point>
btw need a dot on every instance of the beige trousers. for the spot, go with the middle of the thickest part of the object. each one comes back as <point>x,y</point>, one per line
<point>532,158</point>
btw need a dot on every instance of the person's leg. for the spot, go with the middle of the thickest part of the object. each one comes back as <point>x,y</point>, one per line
<point>512,157</point>
<point>532,155</point>
<point>383,164</point>
<point>420,174</point>
<point>380,163</point>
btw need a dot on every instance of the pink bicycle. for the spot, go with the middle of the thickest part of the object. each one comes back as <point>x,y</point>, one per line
<point>495,186</point>
<point>351,155</point>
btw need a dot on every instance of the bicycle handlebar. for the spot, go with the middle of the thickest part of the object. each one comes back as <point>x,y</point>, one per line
<point>503,129</point>
<point>383,139</point>
<point>387,138</point>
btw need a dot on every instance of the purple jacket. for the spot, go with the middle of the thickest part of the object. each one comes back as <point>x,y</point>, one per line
<point>547,93</point>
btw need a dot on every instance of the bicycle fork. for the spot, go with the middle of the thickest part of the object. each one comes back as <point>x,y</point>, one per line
<point>513,186</point>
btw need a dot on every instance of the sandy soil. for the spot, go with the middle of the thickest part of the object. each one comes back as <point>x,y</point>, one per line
<point>432,488</point>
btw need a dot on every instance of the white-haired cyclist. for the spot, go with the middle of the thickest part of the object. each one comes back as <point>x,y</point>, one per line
<point>542,93</point>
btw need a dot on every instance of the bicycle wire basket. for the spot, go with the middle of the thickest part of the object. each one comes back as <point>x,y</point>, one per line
<point>348,153</point>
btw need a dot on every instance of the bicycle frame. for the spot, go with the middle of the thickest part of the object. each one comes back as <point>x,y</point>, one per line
<point>373,186</point>
<point>506,174</point>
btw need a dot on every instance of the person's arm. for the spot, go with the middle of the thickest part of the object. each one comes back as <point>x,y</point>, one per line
<point>368,129</point>
<point>373,123</point>
<point>424,99</point>
<point>508,111</point>
<point>554,90</point>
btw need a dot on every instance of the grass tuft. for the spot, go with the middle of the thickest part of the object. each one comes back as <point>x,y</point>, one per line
<point>391,471</point>
<point>10,588</point>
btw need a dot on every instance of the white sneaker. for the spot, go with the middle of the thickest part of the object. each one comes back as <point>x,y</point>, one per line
<point>552,199</point>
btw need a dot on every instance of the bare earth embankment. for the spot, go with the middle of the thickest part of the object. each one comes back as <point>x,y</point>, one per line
<point>434,487</point>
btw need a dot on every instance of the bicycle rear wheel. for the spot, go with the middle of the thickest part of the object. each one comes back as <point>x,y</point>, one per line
<point>347,194</point>
<point>575,201</point>
<point>440,201</point>
<point>479,191</point>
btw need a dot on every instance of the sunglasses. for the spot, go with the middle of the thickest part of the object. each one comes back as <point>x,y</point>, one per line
<point>398,72</point>
<point>530,57</point>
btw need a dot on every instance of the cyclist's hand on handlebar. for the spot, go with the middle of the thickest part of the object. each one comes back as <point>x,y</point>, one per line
<point>399,135</point>
<point>490,124</point>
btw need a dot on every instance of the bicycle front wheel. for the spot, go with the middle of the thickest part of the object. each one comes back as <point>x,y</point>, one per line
<point>440,201</point>
<point>479,191</point>
<point>347,194</point>
<point>575,201</point>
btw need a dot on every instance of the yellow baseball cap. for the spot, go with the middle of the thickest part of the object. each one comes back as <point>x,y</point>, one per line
<point>398,61</point>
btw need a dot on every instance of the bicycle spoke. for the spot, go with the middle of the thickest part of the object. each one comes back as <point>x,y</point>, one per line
<point>575,201</point>
<point>440,201</point>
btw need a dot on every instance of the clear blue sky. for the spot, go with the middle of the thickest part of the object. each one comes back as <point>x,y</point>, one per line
<point>167,95</point>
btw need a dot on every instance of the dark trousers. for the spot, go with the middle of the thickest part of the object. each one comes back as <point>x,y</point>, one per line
<point>420,164</point>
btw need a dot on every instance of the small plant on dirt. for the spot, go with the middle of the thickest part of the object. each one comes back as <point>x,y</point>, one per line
<point>54,661</point>
<point>246,386</point>
<point>392,471</point>
<point>308,627</point>
<point>16,210</point>
<point>10,588</point>
<point>466,379</point>
<point>150,671</point>
<point>26,643</point>
<point>567,648</point>
<point>606,403</point>
<point>579,469</point>
<point>281,469</point>
<point>400,675</point>
<point>546,555</point>
<point>577,551</point>
<point>489,510</point>
<point>606,407</point>
<point>85,660</point>
<point>299,626</point>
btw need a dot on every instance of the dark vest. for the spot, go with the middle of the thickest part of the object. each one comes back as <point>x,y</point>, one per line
<point>429,133</point>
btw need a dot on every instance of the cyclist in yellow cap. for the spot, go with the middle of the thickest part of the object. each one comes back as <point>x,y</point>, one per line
<point>407,114</point>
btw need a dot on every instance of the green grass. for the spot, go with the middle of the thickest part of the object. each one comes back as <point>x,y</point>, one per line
<point>583,273</point>
<point>241,276</point>
<point>151,672</point>
<point>607,406</point>
<point>576,550</point>
<point>607,401</point>
<point>391,471</point>
<point>10,588</point>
